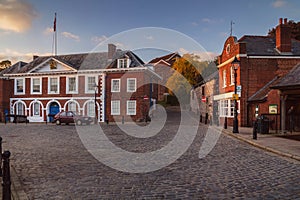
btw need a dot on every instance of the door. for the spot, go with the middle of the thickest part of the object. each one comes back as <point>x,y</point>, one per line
<point>53,110</point>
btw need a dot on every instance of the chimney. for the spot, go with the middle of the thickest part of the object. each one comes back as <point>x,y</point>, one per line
<point>283,36</point>
<point>111,50</point>
<point>35,57</point>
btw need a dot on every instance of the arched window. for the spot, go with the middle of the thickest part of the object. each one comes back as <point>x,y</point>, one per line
<point>36,109</point>
<point>72,106</point>
<point>91,109</point>
<point>20,108</point>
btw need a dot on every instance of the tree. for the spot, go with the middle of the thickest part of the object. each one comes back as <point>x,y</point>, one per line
<point>295,30</point>
<point>5,64</point>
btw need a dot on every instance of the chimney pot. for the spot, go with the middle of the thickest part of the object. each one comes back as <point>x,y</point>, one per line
<point>280,20</point>
<point>285,20</point>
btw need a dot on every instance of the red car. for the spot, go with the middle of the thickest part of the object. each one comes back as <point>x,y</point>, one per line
<point>71,117</point>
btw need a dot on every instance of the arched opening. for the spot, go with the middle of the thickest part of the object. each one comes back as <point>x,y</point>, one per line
<point>53,110</point>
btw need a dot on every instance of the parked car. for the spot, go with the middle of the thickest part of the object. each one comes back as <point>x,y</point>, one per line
<point>68,117</point>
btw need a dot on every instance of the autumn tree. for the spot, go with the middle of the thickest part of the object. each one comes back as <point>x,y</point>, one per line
<point>5,64</point>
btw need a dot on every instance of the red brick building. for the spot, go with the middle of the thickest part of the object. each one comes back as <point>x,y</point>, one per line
<point>264,61</point>
<point>51,84</point>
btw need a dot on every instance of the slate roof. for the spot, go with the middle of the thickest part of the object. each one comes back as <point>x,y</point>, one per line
<point>262,94</point>
<point>290,80</point>
<point>14,68</point>
<point>166,58</point>
<point>83,61</point>
<point>266,45</point>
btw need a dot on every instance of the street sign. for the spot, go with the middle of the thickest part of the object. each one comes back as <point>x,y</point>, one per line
<point>203,99</point>
<point>235,97</point>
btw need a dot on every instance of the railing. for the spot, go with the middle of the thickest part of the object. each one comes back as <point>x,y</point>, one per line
<point>5,173</point>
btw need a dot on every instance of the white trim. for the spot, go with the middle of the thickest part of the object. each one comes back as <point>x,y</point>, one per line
<point>51,98</point>
<point>73,101</point>
<point>87,91</point>
<point>48,60</point>
<point>111,87</point>
<point>168,64</point>
<point>58,85</point>
<point>67,85</point>
<point>31,85</point>
<point>15,86</point>
<point>223,96</point>
<point>128,89</point>
<point>111,107</point>
<point>128,61</point>
<point>127,111</point>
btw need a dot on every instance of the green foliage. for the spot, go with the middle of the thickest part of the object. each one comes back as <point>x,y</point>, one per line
<point>5,64</point>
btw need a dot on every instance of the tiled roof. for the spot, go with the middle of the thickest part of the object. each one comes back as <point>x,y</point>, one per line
<point>290,80</point>
<point>262,94</point>
<point>265,45</point>
<point>83,61</point>
<point>14,68</point>
<point>166,58</point>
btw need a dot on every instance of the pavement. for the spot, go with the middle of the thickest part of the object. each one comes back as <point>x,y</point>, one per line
<point>279,144</point>
<point>286,144</point>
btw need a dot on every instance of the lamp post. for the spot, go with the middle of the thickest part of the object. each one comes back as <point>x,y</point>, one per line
<point>95,101</point>
<point>235,65</point>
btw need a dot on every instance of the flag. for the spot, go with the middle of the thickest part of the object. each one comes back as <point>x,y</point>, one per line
<point>54,24</point>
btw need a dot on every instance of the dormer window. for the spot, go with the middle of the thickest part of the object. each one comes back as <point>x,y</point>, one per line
<point>123,63</point>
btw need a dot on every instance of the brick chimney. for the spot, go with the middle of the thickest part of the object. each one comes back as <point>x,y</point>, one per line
<point>283,36</point>
<point>111,50</point>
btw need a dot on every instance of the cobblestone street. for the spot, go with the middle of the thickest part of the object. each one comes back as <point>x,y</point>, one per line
<point>52,163</point>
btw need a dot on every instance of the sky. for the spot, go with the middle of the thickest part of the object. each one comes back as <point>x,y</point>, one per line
<point>149,28</point>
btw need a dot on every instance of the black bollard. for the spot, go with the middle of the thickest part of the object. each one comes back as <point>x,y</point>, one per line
<point>0,156</point>
<point>206,118</point>
<point>255,130</point>
<point>200,117</point>
<point>6,183</point>
<point>225,123</point>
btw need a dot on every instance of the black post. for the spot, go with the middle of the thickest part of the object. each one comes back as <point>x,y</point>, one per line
<point>255,130</point>
<point>1,157</point>
<point>95,122</point>
<point>6,183</point>
<point>206,118</point>
<point>235,119</point>
<point>200,117</point>
<point>225,123</point>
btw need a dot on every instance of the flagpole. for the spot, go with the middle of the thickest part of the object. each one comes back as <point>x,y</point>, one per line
<point>55,32</point>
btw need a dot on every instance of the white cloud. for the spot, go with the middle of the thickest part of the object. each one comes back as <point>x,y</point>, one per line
<point>16,15</point>
<point>279,3</point>
<point>71,36</point>
<point>48,30</point>
<point>207,20</point>
<point>15,56</point>
<point>99,39</point>
<point>149,37</point>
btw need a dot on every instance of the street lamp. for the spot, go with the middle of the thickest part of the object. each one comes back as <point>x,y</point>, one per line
<point>96,89</point>
<point>235,64</point>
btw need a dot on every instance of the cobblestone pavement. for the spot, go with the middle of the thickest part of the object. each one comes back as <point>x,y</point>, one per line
<point>52,163</point>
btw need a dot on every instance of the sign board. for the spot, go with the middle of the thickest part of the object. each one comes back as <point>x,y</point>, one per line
<point>235,97</point>
<point>146,97</point>
<point>239,90</point>
<point>203,99</point>
<point>273,109</point>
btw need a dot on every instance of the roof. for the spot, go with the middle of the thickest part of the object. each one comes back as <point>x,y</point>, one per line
<point>290,80</point>
<point>266,45</point>
<point>83,61</point>
<point>262,94</point>
<point>166,58</point>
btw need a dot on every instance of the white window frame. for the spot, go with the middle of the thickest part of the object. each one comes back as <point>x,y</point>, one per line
<point>128,85</point>
<point>20,108</point>
<point>90,106</point>
<point>226,108</point>
<point>123,63</point>
<point>38,109</point>
<point>16,86</point>
<point>76,86</point>
<point>49,85</point>
<point>231,76</point>
<point>72,106</point>
<point>31,85</point>
<point>224,78</point>
<point>128,107</point>
<point>115,107</point>
<point>87,90</point>
<point>112,88</point>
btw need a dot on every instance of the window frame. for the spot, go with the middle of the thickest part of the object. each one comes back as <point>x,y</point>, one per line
<point>128,107</point>
<point>38,109</point>
<point>231,76</point>
<point>68,85</point>
<point>224,78</point>
<point>31,85</point>
<point>112,108</point>
<point>16,86</point>
<point>87,90</point>
<point>128,88</point>
<point>49,85</point>
<point>112,85</point>
<point>226,108</point>
<point>121,63</point>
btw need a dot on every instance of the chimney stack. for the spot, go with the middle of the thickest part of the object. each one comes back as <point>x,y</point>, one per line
<point>35,57</point>
<point>111,50</point>
<point>283,36</point>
